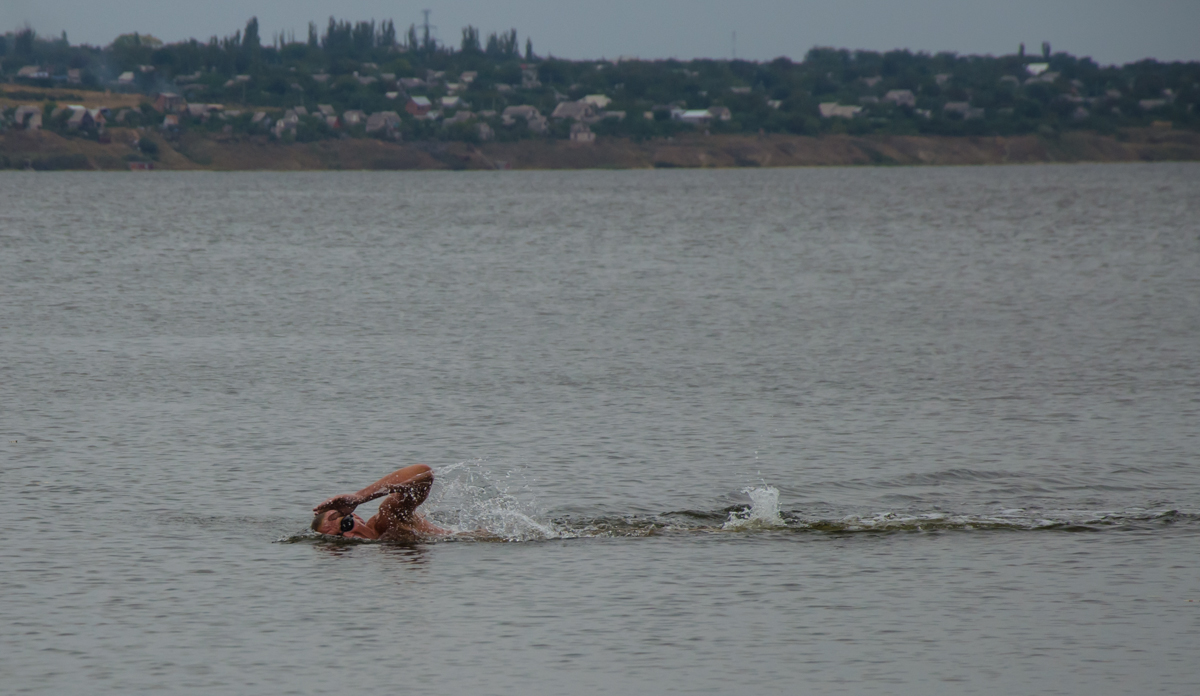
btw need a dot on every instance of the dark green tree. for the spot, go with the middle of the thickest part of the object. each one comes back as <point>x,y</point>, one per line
<point>250,37</point>
<point>428,45</point>
<point>470,40</point>
<point>363,39</point>
<point>503,45</point>
<point>251,49</point>
<point>23,45</point>
<point>387,34</point>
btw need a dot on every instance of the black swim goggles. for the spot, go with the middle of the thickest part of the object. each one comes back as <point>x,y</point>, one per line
<point>346,524</point>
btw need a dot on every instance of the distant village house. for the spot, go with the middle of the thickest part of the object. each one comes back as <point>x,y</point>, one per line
<point>692,116</point>
<point>387,121</point>
<point>169,102</point>
<point>901,97</point>
<point>28,117</point>
<point>578,110</point>
<point>721,113</point>
<point>418,106</point>
<point>580,133</point>
<point>963,109</point>
<point>33,72</point>
<point>836,110</point>
<point>533,118</point>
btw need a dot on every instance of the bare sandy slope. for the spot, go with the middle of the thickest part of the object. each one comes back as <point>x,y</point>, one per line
<point>43,150</point>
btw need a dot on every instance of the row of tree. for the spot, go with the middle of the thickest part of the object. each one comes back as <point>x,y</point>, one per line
<point>355,65</point>
<point>364,41</point>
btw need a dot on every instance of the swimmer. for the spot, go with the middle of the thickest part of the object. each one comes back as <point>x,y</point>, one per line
<point>397,517</point>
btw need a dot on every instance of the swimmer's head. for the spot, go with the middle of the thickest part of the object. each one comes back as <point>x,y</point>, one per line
<point>331,523</point>
<point>324,523</point>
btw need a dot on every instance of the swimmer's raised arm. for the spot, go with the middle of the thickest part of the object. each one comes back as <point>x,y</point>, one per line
<point>399,480</point>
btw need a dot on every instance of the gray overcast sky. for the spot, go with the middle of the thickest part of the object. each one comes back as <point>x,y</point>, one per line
<point>1110,31</point>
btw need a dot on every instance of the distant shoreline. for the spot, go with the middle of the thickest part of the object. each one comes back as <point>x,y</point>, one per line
<point>42,150</point>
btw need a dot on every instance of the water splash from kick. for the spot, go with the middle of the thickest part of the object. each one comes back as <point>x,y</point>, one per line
<point>763,512</point>
<point>469,499</point>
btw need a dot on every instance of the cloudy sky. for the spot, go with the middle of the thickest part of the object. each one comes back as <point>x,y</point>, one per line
<point>1110,31</point>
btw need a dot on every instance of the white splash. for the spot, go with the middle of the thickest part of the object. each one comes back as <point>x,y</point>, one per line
<point>763,512</point>
<point>468,501</point>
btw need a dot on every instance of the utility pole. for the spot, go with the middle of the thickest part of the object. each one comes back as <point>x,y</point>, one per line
<point>427,43</point>
<point>733,46</point>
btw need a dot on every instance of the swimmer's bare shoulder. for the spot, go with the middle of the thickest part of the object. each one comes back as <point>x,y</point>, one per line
<point>397,518</point>
<point>417,527</point>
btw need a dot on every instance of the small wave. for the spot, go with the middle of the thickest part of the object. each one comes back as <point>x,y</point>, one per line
<point>763,515</point>
<point>940,521</point>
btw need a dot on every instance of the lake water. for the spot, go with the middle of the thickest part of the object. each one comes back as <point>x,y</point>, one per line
<point>828,431</point>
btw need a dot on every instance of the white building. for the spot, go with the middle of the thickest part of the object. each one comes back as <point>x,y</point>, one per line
<point>836,110</point>
<point>599,101</point>
<point>33,72</point>
<point>693,116</point>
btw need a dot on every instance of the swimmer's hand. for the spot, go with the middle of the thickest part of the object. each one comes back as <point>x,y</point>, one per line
<point>344,504</point>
